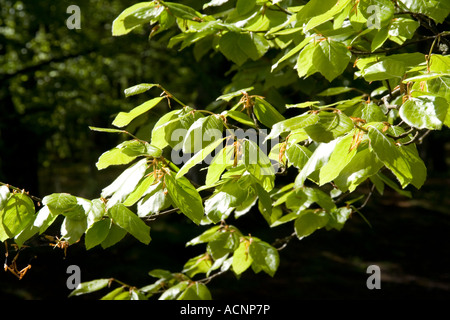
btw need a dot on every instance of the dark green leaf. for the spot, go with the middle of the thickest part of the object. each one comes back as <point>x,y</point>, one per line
<point>196,291</point>
<point>309,221</point>
<point>329,127</point>
<point>185,197</point>
<point>134,16</point>
<point>97,233</point>
<point>331,58</point>
<point>125,183</point>
<point>115,234</point>
<point>241,257</point>
<point>265,257</point>
<point>124,118</point>
<point>89,287</point>
<point>73,229</point>
<point>425,112</point>
<point>138,89</point>
<point>266,113</point>
<point>129,221</point>
<point>391,156</point>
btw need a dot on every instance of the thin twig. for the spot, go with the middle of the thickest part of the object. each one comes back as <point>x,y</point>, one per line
<point>366,201</point>
<point>22,191</point>
<point>284,241</point>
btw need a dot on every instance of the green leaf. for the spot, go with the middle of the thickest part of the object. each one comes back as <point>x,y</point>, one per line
<point>326,16</point>
<point>220,205</point>
<point>165,130</point>
<point>126,219</point>
<point>298,155</point>
<point>305,65</point>
<point>338,218</point>
<point>329,127</point>
<point>42,221</point>
<point>107,130</point>
<point>241,257</point>
<point>154,201</point>
<point>182,11</point>
<point>417,165</point>
<point>310,221</point>
<point>291,124</point>
<point>391,156</point>
<point>323,199</point>
<point>64,204</point>
<point>196,291</point>
<point>425,77</point>
<point>381,11</point>
<point>302,104</point>
<point>318,159</point>
<point>199,157</point>
<point>73,229</point>
<point>229,96</point>
<point>196,265</point>
<point>125,183</point>
<point>331,58</point>
<point>223,243</point>
<point>89,287</point>
<point>340,157</point>
<point>402,29</point>
<point>4,195</point>
<point>201,133</point>
<point>138,89</point>
<point>363,165</point>
<point>393,185</point>
<point>135,16</point>
<point>113,295</point>
<point>265,257</point>
<point>292,52</point>
<point>439,63</point>
<point>219,163</point>
<point>126,152</point>
<point>214,3</point>
<point>258,164</point>
<point>16,214</point>
<point>206,236</point>
<point>266,113</point>
<point>185,197</point>
<point>385,69</point>
<point>425,112</point>
<point>124,118</point>
<point>239,47</point>
<point>370,112</point>
<point>240,117</point>
<point>245,6</point>
<point>115,234</point>
<point>143,188</point>
<point>175,291</point>
<point>335,91</point>
<point>97,233</point>
<point>264,199</point>
<point>379,39</point>
<point>314,8</point>
<point>435,9</point>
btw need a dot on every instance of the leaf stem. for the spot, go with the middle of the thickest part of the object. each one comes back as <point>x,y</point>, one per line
<point>22,191</point>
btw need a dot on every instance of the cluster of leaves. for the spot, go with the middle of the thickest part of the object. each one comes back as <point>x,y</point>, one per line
<point>333,148</point>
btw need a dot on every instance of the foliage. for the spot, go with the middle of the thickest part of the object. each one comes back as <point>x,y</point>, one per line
<point>378,100</point>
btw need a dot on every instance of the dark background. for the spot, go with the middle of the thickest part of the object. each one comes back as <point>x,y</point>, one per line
<point>56,82</point>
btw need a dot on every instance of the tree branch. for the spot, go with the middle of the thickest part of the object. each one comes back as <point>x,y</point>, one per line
<point>7,76</point>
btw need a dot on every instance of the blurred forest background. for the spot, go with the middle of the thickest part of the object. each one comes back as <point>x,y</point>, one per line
<point>55,82</point>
